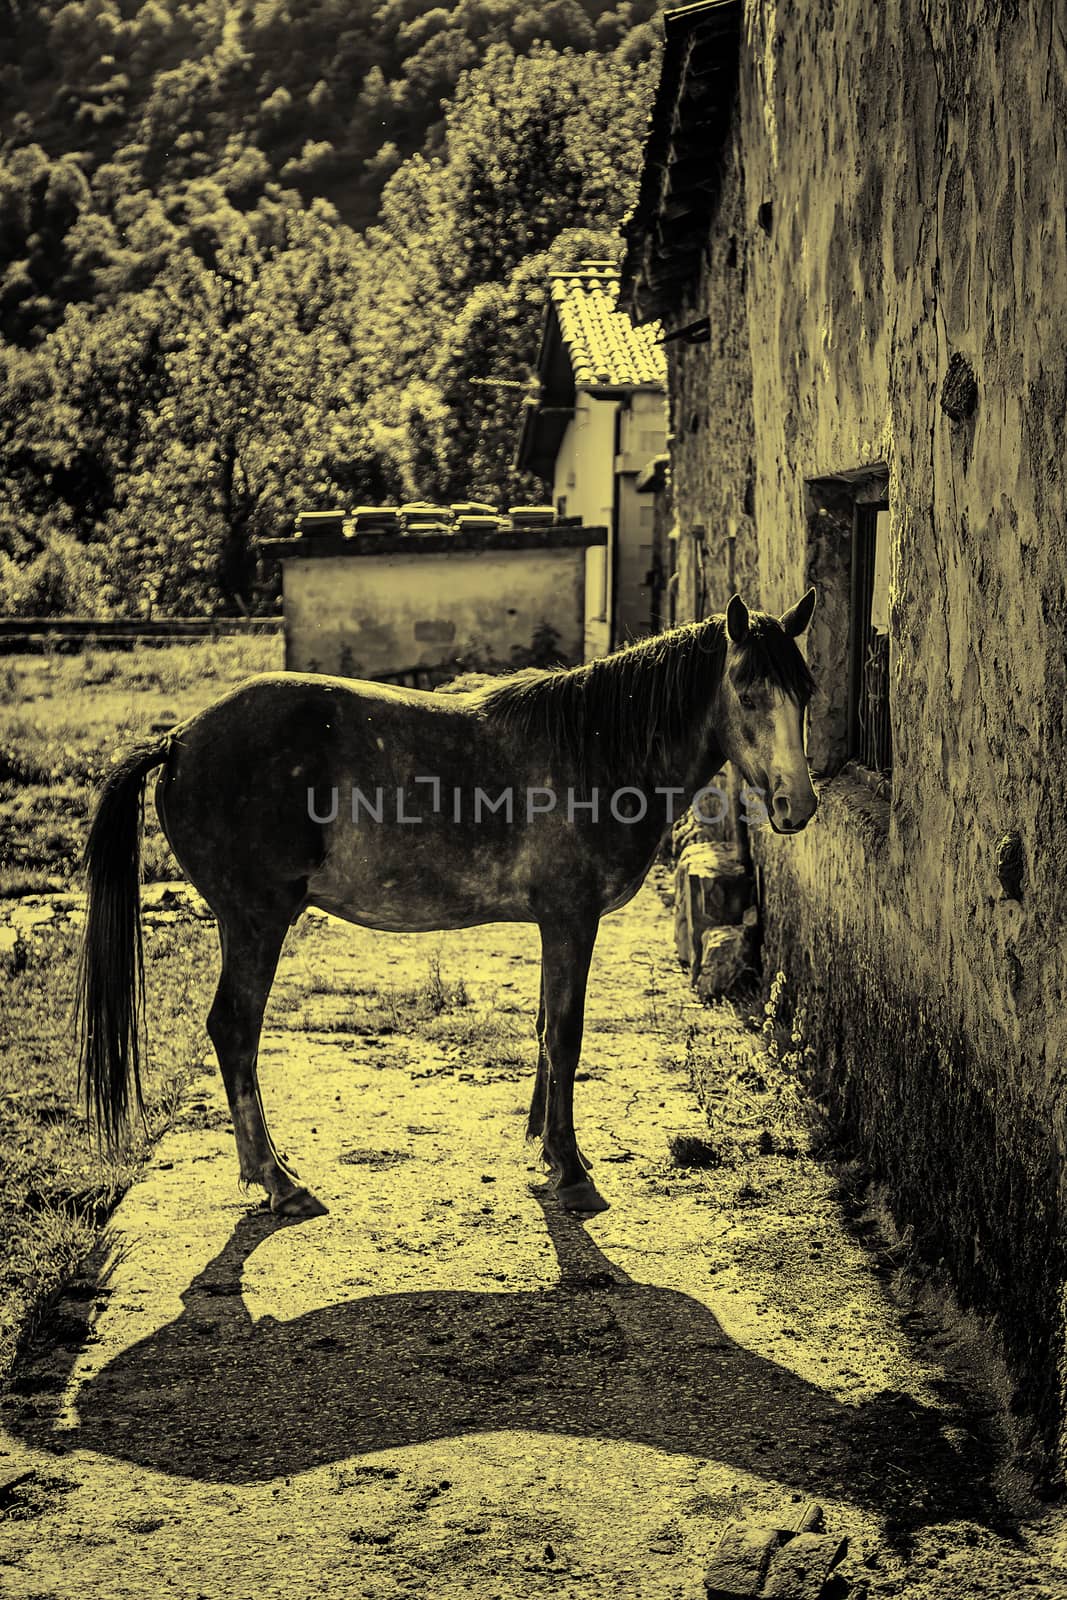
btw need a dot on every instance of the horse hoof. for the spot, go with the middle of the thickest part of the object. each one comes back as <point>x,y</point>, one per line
<point>581,1198</point>
<point>298,1204</point>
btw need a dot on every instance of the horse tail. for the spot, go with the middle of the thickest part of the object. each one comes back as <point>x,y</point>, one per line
<point>109,992</point>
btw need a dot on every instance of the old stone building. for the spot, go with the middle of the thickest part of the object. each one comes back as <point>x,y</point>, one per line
<point>851,225</point>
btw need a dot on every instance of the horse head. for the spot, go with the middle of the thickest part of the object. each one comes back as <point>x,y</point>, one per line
<point>763,695</point>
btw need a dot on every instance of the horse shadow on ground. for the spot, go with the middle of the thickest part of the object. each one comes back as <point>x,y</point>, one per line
<point>218,1397</point>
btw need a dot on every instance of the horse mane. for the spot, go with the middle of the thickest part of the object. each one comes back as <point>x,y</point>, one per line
<point>627,713</point>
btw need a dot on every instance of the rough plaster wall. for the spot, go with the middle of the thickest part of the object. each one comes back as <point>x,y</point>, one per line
<point>584,477</point>
<point>643,436</point>
<point>366,616</point>
<point>664,555</point>
<point>584,463</point>
<point>913,158</point>
<point>712,460</point>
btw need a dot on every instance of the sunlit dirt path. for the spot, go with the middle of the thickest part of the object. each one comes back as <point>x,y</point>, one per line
<point>447,1387</point>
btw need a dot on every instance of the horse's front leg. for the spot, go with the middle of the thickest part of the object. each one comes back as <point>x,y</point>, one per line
<point>566,950</point>
<point>535,1125</point>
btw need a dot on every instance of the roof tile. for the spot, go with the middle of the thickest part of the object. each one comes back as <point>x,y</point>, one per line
<point>604,346</point>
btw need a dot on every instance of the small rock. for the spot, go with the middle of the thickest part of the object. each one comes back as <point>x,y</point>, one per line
<point>145,1524</point>
<point>32,916</point>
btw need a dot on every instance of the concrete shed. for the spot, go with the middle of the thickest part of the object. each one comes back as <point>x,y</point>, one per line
<point>425,592</point>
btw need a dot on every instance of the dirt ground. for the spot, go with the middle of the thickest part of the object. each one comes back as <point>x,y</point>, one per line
<point>446,1386</point>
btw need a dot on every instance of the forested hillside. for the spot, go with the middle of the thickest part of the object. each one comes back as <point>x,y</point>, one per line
<point>254,257</point>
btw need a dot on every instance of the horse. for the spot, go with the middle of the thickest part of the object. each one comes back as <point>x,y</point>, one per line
<point>540,797</point>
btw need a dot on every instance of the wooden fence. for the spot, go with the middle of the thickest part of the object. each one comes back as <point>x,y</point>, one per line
<point>37,635</point>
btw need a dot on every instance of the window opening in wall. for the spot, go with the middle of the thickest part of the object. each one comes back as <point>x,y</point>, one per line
<point>870,734</point>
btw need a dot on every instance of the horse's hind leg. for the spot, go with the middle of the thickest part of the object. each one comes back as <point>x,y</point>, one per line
<point>250,950</point>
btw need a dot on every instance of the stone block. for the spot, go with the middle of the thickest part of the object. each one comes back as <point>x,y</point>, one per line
<point>740,1563</point>
<point>681,920</point>
<point>712,889</point>
<point>690,829</point>
<point>800,1569</point>
<point>725,957</point>
<point>757,1562</point>
<point>722,887</point>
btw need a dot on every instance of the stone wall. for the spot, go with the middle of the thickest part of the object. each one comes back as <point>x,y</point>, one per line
<point>712,450</point>
<point>900,232</point>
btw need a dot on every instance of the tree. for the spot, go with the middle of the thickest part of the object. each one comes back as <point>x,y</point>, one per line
<point>486,371</point>
<point>191,348</point>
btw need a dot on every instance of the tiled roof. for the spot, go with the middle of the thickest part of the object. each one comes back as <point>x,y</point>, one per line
<point>602,344</point>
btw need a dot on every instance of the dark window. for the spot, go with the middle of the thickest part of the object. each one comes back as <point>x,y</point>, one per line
<point>869,734</point>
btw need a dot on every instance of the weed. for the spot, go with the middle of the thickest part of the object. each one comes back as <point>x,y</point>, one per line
<point>101,669</point>
<point>689,1150</point>
<point>441,996</point>
<point>783,1030</point>
<point>10,686</point>
<point>157,863</point>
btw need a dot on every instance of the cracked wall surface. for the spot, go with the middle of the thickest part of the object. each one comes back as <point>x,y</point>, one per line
<point>902,213</point>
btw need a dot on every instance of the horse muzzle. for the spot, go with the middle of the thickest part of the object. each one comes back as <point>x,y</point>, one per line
<point>790,814</point>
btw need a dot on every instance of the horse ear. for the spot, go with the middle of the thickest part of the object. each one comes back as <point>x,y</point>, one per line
<point>795,620</point>
<point>737,619</point>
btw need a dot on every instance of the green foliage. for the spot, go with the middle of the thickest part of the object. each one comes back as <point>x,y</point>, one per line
<point>259,257</point>
<point>60,580</point>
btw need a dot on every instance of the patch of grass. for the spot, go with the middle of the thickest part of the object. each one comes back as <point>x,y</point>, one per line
<point>484,1039</point>
<point>57,1187</point>
<point>391,1008</point>
<point>436,1010</point>
<point>752,1084</point>
<point>62,717</point>
<point>375,1159</point>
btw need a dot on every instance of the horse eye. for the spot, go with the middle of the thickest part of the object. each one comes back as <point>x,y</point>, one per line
<point>748,701</point>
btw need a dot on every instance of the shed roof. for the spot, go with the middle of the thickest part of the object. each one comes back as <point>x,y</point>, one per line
<point>587,344</point>
<point>681,175</point>
<point>420,528</point>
